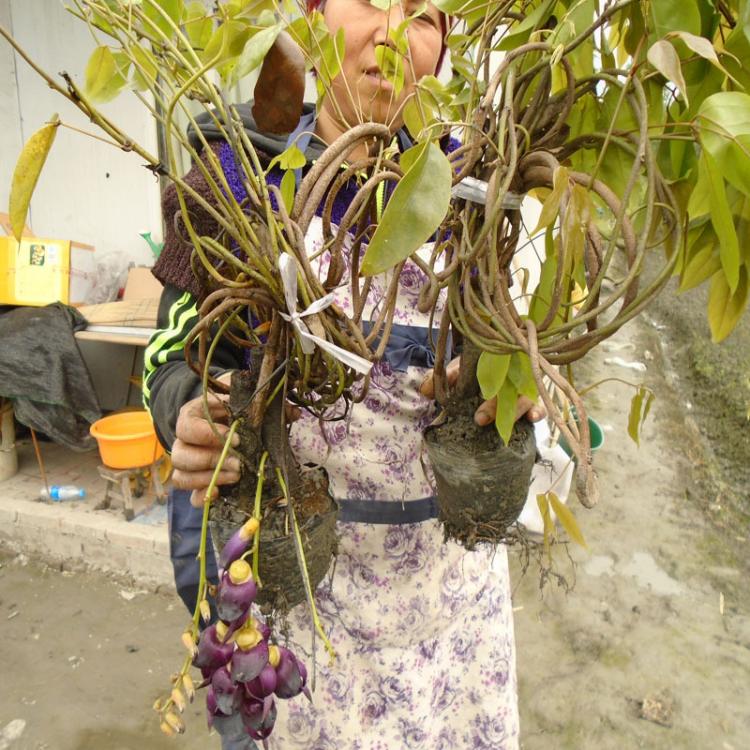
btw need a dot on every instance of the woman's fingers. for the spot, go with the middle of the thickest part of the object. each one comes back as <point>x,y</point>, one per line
<point>197,480</point>
<point>485,414</point>
<point>427,388</point>
<point>193,428</point>
<point>190,457</point>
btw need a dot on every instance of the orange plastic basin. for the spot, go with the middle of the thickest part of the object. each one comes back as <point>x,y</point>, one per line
<point>127,440</point>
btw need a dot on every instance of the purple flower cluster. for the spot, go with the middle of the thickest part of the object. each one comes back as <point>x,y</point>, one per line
<point>244,671</point>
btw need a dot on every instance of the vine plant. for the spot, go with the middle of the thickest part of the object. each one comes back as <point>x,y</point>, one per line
<point>627,120</point>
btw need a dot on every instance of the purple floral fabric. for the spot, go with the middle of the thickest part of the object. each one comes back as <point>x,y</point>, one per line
<point>422,629</point>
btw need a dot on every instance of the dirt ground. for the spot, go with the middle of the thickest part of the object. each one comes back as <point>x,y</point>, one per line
<point>651,649</point>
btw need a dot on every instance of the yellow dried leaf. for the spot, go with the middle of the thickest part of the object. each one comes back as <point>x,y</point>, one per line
<point>26,174</point>
<point>549,527</point>
<point>566,518</point>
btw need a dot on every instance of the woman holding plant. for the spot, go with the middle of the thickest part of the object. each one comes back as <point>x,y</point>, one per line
<point>422,629</point>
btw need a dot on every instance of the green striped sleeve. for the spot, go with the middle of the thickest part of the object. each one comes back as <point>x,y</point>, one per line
<point>167,344</point>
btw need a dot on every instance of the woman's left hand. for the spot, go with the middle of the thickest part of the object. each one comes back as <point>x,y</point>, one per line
<point>485,414</point>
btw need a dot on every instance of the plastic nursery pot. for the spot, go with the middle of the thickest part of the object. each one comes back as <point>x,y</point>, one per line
<point>597,438</point>
<point>282,584</point>
<point>482,484</point>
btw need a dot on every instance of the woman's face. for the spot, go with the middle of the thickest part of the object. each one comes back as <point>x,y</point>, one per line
<point>360,91</point>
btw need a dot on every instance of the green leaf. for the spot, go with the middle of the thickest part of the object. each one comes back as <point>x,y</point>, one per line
<point>198,25</point>
<point>254,52</point>
<point>663,56</point>
<point>723,222</point>
<point>725,133</point>
<point>542,298</point>
<point>391,64</point>
<point>522,376</point>
<point>638,413</point>
<point>288,184</point>
<point>505,416</point>
<point>575,220</point>
<point>227,42</point>
<point>165,14</point>
<point>291,158</point>
<point>519,33</point>
<point>700,196</point>
<point>703,264</point>
<point>415,118</point>
<point>567,519</point>
<point>457,7</point>
<point>103,78</point>
<point>737,50</point>
<point>249,8</point>
<point>144,69</point>
<point>413,213</point>
<point>551,206</point>
<point>724,306</point>
<point>673,15</point>
<point>491,372</point>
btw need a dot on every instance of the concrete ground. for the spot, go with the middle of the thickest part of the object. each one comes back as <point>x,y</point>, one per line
<point>650,649</point>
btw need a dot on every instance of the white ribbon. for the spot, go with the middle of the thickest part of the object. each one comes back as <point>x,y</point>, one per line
<point>288,268</point>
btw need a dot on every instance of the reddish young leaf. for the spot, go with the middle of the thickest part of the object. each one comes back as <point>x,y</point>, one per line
<point>280,89</point>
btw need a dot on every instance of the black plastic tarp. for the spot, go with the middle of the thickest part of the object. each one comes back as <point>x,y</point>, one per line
<point>42,371</point>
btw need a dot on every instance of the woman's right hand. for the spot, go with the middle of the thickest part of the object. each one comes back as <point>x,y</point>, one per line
<point>196,449</point>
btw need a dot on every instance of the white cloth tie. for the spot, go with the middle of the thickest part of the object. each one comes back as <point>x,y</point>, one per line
<point>308,341</point>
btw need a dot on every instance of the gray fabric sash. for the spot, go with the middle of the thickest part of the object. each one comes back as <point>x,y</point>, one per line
<point>390,512</point>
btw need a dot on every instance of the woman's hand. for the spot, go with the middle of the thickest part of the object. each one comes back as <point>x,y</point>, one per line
<point>485,414</point>
<point>196,449</point>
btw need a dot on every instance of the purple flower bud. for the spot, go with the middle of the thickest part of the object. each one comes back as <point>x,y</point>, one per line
<point>259,717</point>
<point>288,675</point>
<point>223,724</point>
<point>263,685</point>
<point>225,691</point>
<point>238,543</point>
<point>251,711</point>
<point>236,591</point>
<point>212,651</point>
<point>248,664</point>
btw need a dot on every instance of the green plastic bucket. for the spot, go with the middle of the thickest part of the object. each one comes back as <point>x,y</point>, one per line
<point>597,438</point>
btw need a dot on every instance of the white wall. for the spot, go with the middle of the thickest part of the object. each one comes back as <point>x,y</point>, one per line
<point>89,191</point>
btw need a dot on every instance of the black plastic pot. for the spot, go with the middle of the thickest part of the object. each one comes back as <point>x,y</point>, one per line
<point>482,484</point>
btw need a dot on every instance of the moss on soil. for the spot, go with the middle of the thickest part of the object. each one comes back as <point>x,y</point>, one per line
<point>715,379</point>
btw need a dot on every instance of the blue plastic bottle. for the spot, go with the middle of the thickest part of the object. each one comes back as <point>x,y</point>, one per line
<point>57,493</point>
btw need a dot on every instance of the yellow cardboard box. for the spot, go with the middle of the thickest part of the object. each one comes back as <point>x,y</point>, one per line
<point>38,271</point>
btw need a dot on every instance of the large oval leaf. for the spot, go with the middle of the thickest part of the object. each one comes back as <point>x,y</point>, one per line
<point>165,15</point>
<point>105,75</point>
<point>673,15</point>
<point>416,208</point>
<point>725,133</point>
<point>256,48</point>
<point>723,222</point>
<point>26,174</point>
